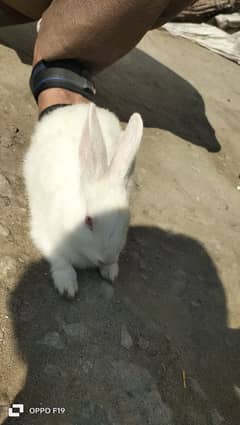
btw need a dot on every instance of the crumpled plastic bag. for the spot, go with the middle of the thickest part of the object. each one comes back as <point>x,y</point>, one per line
<point>214,39</point>
<point>228,21</point>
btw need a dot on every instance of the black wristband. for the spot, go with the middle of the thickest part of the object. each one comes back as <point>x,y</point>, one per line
<point>66,74</point>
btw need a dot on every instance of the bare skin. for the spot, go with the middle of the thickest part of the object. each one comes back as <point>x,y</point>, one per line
<point>55,96</point>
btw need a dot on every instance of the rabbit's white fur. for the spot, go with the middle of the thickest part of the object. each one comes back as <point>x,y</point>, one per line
<point>79,165</point>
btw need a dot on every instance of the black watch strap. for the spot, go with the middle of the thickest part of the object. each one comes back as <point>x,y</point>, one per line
<point>51,108</point>
<point>67,74</point>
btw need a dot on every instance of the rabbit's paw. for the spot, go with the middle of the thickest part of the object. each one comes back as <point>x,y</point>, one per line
<point>110,272</point>
<point>65,280</point>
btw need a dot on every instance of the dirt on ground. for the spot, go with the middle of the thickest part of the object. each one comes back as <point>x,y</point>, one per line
<point>161,346</point>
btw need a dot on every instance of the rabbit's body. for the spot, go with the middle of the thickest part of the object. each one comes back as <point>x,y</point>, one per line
<point>70,183</point>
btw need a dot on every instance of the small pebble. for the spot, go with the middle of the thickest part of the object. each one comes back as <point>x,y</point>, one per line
<point>50,370</point>
<point>5,188</point>
<point>217,419</point>
<point>135,255</point>
<point>126,339</point>
<point>87,366</point>
<point>53,339</point>
<point>4,231</point>
<point>196,304</point>
<point>142,266</point>
<point>196,388</point>
<point>75,330</point>
<point>1,334</point>
<point>8,265</point>
<point>141,242</point>
<point>4,201</point>
<point>143,343</point>
<point>168,338</point>
<point>6,141</point>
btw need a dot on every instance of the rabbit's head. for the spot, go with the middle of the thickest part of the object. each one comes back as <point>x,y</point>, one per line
<point>106,187</point>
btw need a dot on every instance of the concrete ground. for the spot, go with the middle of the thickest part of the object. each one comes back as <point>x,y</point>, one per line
<point>161,346</point>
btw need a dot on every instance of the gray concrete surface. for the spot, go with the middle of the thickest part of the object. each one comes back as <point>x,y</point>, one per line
<point>162,345</point>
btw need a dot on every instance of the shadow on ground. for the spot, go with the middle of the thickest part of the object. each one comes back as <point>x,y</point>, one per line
<point>164,99</point>
<point>171,299</point>
<point>139,83</point>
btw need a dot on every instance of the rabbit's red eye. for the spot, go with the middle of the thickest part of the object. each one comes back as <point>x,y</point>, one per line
<point>89,222</point>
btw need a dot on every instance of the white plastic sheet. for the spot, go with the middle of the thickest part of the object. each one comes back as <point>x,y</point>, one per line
<point>208,36</point>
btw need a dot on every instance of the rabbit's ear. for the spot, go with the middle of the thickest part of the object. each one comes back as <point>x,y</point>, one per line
<point>123,162</point>
<point>92,149</point>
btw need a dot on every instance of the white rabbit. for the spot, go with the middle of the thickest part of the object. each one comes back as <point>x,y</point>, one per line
<point>77,173</point>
